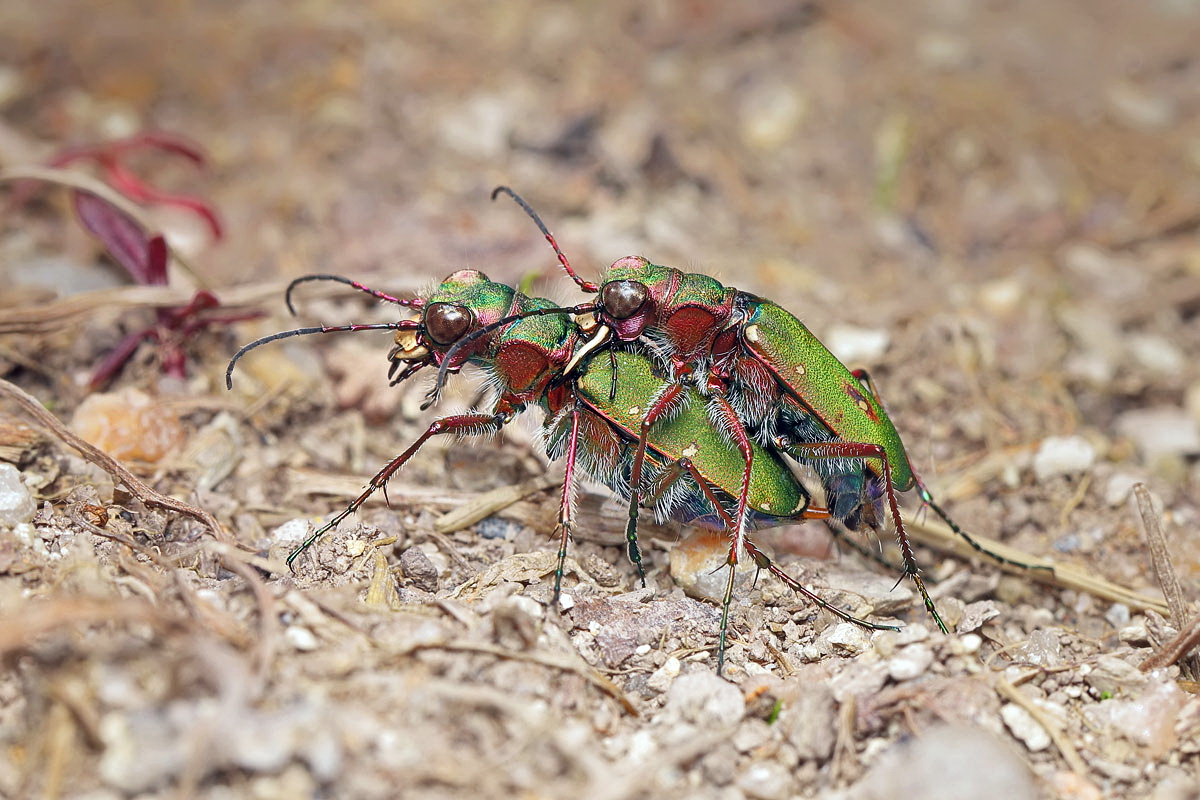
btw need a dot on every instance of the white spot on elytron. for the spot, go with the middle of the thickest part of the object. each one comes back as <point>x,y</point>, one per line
<point>766,506</point>
<point>635,410</point>
<point>863,405</point>
<point>752,333</point>
<point>800,369</point>
<point>691,450</point>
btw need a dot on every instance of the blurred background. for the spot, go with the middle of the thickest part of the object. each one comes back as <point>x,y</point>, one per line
<point>993,204</point>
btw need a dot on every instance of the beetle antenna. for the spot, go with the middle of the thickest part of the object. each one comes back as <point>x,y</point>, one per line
<point>380,326</point>
<point>416,302</point>
<point>587,286</point>
<point>444,367</point>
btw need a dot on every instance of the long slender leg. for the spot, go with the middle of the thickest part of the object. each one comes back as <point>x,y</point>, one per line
<point>472,424</point>
<point>927,498</point>
<point>763,562</point>
<point>566,507</point>
<point>737,432</point>
<point>656,411</point>
<point>819,450</point>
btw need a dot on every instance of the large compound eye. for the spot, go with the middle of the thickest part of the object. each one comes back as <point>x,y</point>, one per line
<point>622,299</point>
<point>445,323</point>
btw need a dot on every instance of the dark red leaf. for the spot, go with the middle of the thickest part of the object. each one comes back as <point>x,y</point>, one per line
<point>109,156</point>
<point>142,254</point>
<point>112,363</point>
<point>171,143</point>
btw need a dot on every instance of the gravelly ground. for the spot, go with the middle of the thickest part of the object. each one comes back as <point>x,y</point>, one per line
<point>993,206</point>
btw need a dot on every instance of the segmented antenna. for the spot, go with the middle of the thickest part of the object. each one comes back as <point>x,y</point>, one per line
<point>415,302</point>
<point>586,286</point>
<point>379,326</point>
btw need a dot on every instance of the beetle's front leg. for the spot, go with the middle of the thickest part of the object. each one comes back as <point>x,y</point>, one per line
<point>465,424</point>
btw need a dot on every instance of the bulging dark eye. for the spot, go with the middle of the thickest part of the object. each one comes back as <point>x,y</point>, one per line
<point>445,323</point>
<point>622,299</point>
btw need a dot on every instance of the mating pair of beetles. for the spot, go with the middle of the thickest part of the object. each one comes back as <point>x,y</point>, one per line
<point>680,394</point>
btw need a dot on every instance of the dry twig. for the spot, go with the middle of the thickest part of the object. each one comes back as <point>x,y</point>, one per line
<point>151,497</point>
<point>138,488</point>
<point>488,503</point>
<point>1160,560</point>
<point>566,662</point>
<point>1069,753</point>
<point>1176,649</point>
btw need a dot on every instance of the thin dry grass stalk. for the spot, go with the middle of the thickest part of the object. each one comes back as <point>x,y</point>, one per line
<point>1068,576</point>
<point>59,313</point>
<point>1178,648</point>
<point>489,503</point>
<point>1160,558</point>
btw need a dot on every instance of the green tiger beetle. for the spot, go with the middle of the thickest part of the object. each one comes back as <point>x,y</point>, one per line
<point>687,441</point>
<point>766,379</point>
<point>521,341</point>
<point>689,471</point>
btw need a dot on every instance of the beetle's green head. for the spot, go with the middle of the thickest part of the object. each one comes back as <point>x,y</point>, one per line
<point>632,294</point>
<point>464,303</point>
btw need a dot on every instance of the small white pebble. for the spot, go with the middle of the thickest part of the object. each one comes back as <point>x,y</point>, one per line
<point>971,643</point>
<point>566,602</point>
<point>27,535</point>
<point>917,632</point>
<point>910,662</point>
<point>1160,431</point>
<point>212,597</point>
<point>355,547</point>
<point>641,650</point>
<point>16,504</point>
<point>1023,726</point>
<point>292,532</point>
<point>848,639</point>
<point>300,638</point>
<point>752,733</point>
<point>660,680</point>
<point>1157,354</point>
<point>766,780</point>
<point>1063,455</point>
<point>642,745</point>
<point>1117,490</point>
<point>852,344</point>
<point>1134,635</point>
<point>1118,615</point>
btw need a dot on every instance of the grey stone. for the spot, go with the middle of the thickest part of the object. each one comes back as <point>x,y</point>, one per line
<point>950,763</point>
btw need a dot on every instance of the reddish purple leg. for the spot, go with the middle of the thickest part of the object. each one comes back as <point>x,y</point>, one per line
<point>466,424</point>
<point>822,450</point>
<point>566,508</point>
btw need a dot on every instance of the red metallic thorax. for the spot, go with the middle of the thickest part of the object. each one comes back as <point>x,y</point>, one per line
<point>526,368</point>
<point>691,330</point>
<point>690,309</point>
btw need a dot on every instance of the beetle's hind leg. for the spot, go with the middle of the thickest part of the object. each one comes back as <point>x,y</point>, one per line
<point>927,498</point>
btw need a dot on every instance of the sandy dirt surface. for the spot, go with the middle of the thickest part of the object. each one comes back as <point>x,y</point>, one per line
<point>993,206</point>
